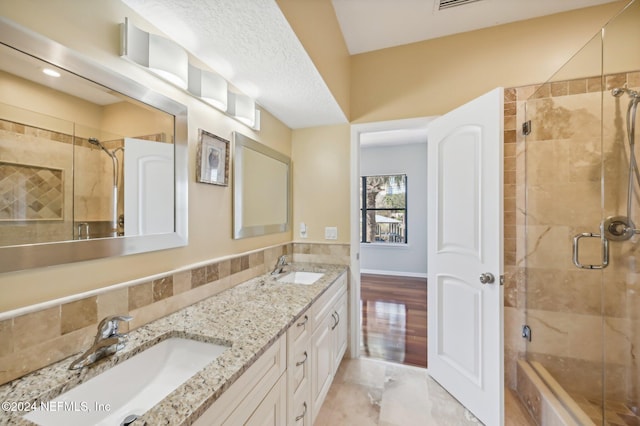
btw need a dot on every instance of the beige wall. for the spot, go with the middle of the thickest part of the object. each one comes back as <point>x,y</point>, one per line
<point>135,120</point>
<point>41,106</point>
<point>91,28</point>
<point>421,79</point>
<point>436,76</point>
<point>316,25</point>
<point>321,164</point>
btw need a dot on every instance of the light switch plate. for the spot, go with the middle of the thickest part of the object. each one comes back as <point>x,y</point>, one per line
<point>331,233</point>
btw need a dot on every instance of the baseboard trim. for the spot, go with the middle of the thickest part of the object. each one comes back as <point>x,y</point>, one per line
<point>394,273</point>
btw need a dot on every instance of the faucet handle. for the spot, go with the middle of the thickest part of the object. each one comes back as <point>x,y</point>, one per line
<point>108,327</point>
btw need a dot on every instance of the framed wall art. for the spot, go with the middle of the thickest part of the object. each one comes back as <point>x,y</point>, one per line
<point>212,159</point>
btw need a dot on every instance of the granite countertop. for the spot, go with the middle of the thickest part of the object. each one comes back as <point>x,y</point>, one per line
<point>249,318</point>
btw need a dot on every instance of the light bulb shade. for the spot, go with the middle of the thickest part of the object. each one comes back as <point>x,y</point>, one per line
<point>162,56</point>
<point>244,109</point>
<point>210,87</point>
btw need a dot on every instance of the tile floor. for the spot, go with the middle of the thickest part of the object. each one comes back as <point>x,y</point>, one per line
<point>617,413</point>
<point>372,392</point>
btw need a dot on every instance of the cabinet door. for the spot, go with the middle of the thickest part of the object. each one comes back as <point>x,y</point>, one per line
<point>322,343</point>
<point>300,410</point>
<point>272,411</point>
<point>341,330</point>
<point>242,398</point>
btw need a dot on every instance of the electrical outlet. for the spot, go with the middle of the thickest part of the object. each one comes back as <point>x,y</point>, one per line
<point>331,233</point>
<point>303,230</point>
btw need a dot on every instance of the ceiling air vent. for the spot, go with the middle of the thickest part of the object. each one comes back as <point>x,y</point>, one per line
<point>446,4</point>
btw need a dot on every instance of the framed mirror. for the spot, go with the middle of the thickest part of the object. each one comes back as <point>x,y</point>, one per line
<point>92,164</point>
<point>262,201</point>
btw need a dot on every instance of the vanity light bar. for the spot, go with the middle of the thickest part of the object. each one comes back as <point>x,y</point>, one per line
<point>160,55</point>
<point>211,87</point>
<point>170,61</point>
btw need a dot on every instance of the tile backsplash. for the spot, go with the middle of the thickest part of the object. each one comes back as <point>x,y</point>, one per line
<point>39,338</point>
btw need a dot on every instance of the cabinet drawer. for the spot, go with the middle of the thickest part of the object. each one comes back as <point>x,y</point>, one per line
<point>300,410</point>
<point>301,329</point>
<point>298,366</point>
<point>324,305</point>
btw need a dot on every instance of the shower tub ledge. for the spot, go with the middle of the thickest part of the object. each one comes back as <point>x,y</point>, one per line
<point>548,403</point>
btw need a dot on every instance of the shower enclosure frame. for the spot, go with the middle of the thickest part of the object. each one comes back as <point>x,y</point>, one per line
<point>574,181</point>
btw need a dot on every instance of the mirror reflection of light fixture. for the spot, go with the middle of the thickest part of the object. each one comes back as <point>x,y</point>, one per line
<point>243,108</point>
<point>208,86</point>
<point>160,55</point>
<point>51,72</point>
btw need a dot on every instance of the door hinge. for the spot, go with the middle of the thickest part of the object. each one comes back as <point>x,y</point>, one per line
<point>526,332</point>
<point>526,128</point>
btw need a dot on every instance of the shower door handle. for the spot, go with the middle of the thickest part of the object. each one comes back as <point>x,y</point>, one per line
<point>576,252</point>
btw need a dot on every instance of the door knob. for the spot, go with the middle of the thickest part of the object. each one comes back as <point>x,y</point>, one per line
<point>487,278</point>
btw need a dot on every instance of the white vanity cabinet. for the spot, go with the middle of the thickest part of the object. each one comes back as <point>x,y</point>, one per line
<point>289,382</point>
<point>328,341</point>
<point>258,397</point>
<point>316,344</point>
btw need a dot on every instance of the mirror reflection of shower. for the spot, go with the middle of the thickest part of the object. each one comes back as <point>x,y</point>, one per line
<point>116,172</point>
<point>620,228</point>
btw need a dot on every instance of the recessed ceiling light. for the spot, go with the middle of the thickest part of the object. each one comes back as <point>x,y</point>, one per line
<point>50,72</point>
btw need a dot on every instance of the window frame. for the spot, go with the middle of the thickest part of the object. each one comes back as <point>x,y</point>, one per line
<point>364,209</point>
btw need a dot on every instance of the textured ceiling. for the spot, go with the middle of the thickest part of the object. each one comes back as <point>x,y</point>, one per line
<point>376,24</point>
<point>250,43</point>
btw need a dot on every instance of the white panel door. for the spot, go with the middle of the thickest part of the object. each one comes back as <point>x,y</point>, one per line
<point>148,187</point>
<point>465,222</point>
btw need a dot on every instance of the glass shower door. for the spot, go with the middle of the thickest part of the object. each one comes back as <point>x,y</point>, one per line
<point>621,192</point>
<point>581,247</point>
<point>563,190</point>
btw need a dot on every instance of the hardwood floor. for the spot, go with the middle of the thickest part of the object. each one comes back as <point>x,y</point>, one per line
<point>394,318</point>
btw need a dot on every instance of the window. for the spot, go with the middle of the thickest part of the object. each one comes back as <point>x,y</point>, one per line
<point>383,207</point>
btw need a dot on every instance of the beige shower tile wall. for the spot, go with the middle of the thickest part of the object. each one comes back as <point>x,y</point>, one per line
<point>622,280</point>
<point>563,187</point>
<point>88,199</point>
<point>37,339</point>
<point>24,146</point>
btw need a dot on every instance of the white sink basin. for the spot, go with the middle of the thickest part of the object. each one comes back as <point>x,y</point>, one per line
<point>306,278</point>
<point>131,387</point>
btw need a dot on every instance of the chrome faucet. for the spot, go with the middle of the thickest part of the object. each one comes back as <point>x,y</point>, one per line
<point>282,262</point>
<point>107,342</point>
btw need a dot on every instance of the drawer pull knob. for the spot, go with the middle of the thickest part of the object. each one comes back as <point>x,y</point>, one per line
<point>298,364</point>
<point>336,317</point>
<point>300,324</point>
<point>301,416</point>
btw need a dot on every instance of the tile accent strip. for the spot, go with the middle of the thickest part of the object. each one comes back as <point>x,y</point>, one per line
<point>36,339</point>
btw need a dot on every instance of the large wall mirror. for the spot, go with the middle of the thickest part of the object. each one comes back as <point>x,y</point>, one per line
<point>261,189</point>
<point>92,164</point>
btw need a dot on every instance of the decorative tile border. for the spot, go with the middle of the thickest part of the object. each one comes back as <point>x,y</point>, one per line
<point>55,330</point>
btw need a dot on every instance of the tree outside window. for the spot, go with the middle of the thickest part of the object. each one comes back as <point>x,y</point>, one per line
<point>383,207</point>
